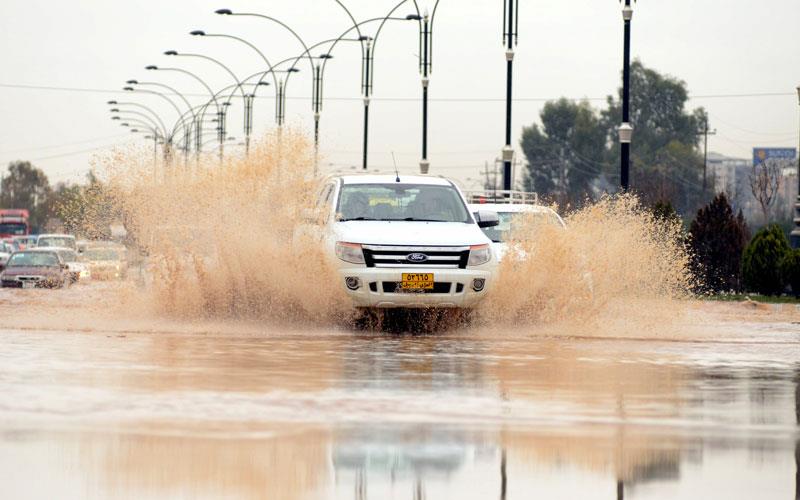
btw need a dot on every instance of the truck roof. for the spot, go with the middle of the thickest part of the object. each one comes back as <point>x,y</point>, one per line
<point>392,178</point>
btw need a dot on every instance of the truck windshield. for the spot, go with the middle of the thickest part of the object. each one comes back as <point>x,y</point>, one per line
<point>12,228</point>
<point>401,202</point>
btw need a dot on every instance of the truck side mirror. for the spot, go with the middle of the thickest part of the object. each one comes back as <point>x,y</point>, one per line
<point>485,218</point>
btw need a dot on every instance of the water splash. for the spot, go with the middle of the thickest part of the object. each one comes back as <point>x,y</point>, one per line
<point>221,243</point>
<point>614,257</point>
<point>219,238</point>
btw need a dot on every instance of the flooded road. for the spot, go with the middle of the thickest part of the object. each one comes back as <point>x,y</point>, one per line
<point>94,404</point>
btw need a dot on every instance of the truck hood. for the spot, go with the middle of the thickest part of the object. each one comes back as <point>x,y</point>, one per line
<point>410,233</point>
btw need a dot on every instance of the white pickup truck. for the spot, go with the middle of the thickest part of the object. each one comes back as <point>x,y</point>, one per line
<point>405,241</point>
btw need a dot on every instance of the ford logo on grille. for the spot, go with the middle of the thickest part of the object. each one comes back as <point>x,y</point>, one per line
<point>416,257</point>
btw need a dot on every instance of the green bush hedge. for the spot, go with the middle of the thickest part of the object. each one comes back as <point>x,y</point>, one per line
<point>763,260</point>
<point>717,239</point>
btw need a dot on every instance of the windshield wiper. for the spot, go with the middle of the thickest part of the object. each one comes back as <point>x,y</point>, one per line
<point>415,219</point>
<point>357,218</point>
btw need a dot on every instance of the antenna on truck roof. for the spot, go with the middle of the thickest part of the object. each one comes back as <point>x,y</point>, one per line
<point>397,173</point>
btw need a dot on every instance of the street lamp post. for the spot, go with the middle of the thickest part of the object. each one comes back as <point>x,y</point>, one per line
<point>366,88</point>
<point>367,70</point>
<point>198,144</point>
<point>221,112</point>
<point>187,130</point>
<point>248,98</point>
<point>510,38</point>
<point>795,236</point>
<point>625,129</point>
<point>425,68</point>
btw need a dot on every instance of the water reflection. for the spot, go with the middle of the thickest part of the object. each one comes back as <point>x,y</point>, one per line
<point>342,416</point>
<point>797,442</point>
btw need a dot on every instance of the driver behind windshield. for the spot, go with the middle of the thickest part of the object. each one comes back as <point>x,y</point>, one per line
<point>429,206</point>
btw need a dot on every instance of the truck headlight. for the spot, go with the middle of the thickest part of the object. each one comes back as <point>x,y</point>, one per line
<point>350,252</point>
<point>479,254</point>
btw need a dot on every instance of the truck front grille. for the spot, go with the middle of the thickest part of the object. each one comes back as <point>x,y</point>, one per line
<point>398,256</point>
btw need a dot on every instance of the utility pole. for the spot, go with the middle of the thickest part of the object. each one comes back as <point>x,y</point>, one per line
<point>510,38</point>
<point>625,129</point>
<point>706,132</point>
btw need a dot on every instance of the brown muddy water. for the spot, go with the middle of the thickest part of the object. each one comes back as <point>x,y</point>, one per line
<point>99,402</point>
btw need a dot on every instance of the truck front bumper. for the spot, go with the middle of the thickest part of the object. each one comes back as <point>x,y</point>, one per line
<point>378,288</point>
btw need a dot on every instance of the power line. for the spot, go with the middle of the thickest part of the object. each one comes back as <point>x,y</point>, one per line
<point>57,146</point>
<point>74,153</point>
<point>396,99</point>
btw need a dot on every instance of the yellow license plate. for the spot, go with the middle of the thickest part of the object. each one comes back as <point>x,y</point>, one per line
<point>417,281</point>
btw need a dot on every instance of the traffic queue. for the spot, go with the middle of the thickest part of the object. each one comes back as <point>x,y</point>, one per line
<point>58,260</point>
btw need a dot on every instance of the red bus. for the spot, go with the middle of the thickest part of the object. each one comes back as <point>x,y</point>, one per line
<point>14,222</point>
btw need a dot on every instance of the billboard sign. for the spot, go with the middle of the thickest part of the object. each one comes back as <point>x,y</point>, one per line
<point>787,155</point>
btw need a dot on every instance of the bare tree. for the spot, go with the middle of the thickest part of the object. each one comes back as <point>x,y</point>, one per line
<point>765,182</point>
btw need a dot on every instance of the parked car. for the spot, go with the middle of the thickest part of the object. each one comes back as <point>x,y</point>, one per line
<point>35,268</point>
<point>107,262</point>
<point>56,240</point>
<point>405,241</point>
<point>77,270</point>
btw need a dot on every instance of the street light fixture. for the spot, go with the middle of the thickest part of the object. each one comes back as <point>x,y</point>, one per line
<point>510,38</point>
<point>625,128</point>
<point>425,69</point>
<point>231,73</point>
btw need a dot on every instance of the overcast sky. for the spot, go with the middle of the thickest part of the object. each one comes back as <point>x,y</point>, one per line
<point>726,50</point>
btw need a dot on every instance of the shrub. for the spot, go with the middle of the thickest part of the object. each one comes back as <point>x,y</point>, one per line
<point>761,264</point>
<point>716,241</point>
<point>663,210</point>
<point>790,269</point>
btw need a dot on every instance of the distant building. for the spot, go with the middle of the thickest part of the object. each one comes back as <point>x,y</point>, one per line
<point>732,176</point>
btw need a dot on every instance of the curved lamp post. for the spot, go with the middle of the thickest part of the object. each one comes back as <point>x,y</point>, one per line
<point>142,106</point>
<point>187,131</point>
<point>281,86</point>
<point>248,98</point>
<point>152,67</point>
<point>222,112</point>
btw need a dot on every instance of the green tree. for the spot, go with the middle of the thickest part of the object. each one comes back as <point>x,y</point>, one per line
<point>665,159</point>
<point>663,210</point>
<point>87,210</point>
<point>717,239</point>
<point>564,156</point>
<point>25,186</point>
<point>761,263</point>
